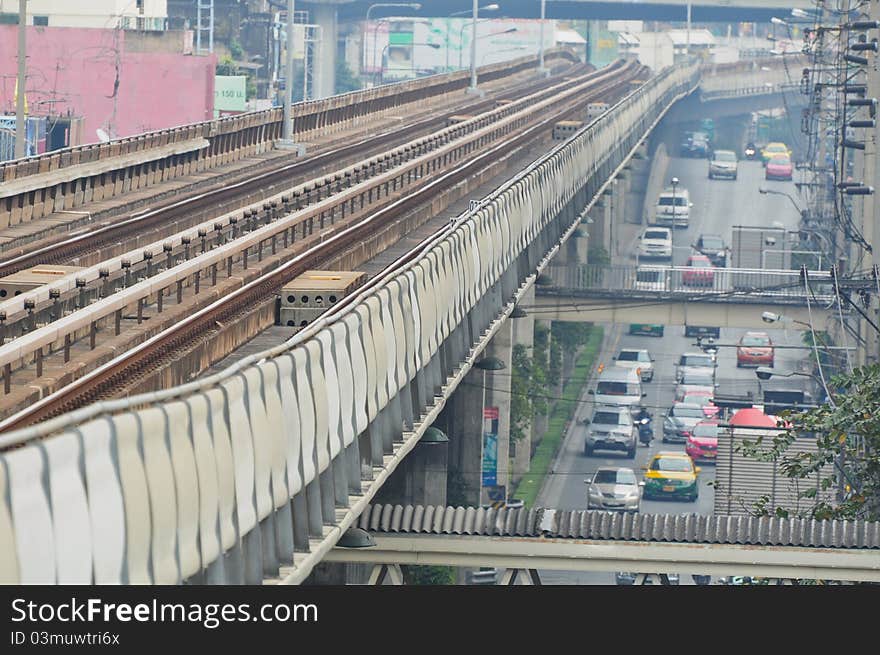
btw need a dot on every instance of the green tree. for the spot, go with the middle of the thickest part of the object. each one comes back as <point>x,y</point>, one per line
<point>520,392</point>
<point>847,435</point>
<point>428,575</point>
<point>345,79</point>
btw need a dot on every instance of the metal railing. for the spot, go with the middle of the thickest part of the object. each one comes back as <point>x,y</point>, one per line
<point>716,284</point>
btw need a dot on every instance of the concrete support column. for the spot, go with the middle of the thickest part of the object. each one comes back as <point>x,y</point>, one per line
<point>497,390</point>
<point>325,15</point>
<point>421,478</point>
<point>464,427</point>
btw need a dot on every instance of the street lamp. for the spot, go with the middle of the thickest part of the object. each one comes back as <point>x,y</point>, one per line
<point>482,36</point>
<point>674,183</point>
<point>770,317</point>
<point>492,7</point>
<point>386,20</point>
<point>287,134</point>
<point>436,46</point>
<point>541,70</point>
<point>415,6</point>
<point>475,12</point>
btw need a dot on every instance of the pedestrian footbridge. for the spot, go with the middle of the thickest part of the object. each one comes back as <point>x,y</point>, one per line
<point>591,540</point>
<point>681,295</point>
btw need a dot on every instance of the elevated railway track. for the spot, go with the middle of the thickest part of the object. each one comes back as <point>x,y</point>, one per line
<point>178,293</point>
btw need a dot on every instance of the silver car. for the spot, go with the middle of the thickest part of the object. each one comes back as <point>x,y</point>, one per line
<point>611,428</point>
<point>614,488</point>
<point>637,359</point>
<point>694,360</point>
<point>722,163</point>
<point>679,422</point>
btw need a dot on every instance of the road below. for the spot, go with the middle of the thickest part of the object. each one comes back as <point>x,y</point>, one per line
<point>717,206</point>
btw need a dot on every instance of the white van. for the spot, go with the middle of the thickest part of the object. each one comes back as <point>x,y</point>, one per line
<point>663,212</point>
<point>619,386</point>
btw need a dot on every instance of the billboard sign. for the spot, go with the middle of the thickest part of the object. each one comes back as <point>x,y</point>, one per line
<point>490,447</point>
<point>230,95</point>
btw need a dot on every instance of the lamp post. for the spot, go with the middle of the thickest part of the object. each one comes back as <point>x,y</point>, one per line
<point>483,36</point>
<point>415,6</point>
<point>674,183</point>
<point>541,70</point>
<point>492,7</point>
<point>436,46</point>
<point>288,140</point>
<point>20,81</point>
<point>472,89</point>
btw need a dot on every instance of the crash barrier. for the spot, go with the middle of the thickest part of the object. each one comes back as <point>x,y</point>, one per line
<point>65,179</point>
<point>252,475</point>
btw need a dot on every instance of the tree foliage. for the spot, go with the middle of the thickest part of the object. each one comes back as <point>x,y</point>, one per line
<point>428,575</point>
<point>847,434</point>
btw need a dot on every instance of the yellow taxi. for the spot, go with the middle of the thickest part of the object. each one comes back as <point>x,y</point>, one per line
<point>774,148</point>
<point>671,475</point>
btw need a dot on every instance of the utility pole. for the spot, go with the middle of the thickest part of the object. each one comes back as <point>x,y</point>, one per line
<point>20,85</point>
<point>473,87</point>
<point>288,140</point>
<point>541,69</point>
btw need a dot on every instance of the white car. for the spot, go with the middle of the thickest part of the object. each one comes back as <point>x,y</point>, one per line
<point>637,359</point>
<point>673,208</point>
<point>652,278</point>
<point>655,243</point>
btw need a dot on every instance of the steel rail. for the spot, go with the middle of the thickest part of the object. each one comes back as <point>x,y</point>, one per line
<point>126,369</point>
<point>89,240</point>
<point>49,298</point>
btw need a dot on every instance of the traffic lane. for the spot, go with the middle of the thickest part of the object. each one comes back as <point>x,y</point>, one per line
<point>574,467</point>
<point>718,205</point>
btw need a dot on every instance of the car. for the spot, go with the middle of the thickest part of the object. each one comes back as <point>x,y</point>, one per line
<point>713,246</point>
<point>722,163</point>
<point>611,427</point>
<point>671,475</point>
<point>699,272</point>
<point>754,349</point>
<point>704,400</point>
<point>779,167</point>
<point>646,329</point>
<point>673,207</point>
<point>638,359</point>
<point>679,420</point>
<point>702,444</point>
<point>655,243</point>
<point>695,144</point>
<point>691,360</point>
<point>614,488</point>
<point>774,148</point>
<point>626,578</point>
<point>695,380</point>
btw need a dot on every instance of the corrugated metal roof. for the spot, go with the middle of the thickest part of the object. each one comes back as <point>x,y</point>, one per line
<point>741,481</point>
<point>602,525</point>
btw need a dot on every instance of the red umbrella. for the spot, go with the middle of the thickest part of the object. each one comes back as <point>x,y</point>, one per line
<point>752,418</point>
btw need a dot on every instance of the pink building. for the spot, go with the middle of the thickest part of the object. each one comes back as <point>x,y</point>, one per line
<point>117,89</point>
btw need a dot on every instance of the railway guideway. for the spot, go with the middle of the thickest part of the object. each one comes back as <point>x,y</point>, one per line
<point>254,474</point>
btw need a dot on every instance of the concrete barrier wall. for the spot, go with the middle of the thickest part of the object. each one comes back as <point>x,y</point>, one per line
<point>243,475</point>
<point>656,182</point>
